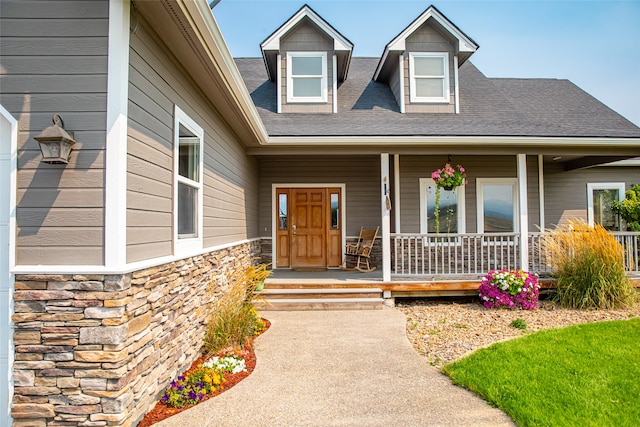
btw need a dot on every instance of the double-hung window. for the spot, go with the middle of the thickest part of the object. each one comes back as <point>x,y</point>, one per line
<point>188,156</point>
<point>306,77</point>
<point>497,205</point>
<point>429,77</point>
<point>451,208</point>
<point>599,198</point>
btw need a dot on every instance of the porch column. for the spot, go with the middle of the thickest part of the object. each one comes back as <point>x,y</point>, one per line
<point>386,217</point>
<point>524,217</point>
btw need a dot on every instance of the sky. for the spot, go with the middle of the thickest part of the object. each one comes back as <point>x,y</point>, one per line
<point>595,44</point>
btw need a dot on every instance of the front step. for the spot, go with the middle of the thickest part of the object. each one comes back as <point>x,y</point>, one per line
<point>296,299</point>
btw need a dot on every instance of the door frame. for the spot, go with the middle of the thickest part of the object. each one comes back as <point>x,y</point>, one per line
<point>8,171</point>
<point>274,218</point>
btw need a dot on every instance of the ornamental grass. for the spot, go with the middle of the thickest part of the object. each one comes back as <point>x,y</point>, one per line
<point>234,320</point>
<point>587,263</point>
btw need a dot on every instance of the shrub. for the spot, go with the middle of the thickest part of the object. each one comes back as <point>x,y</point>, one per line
<point>629,208</point>
<point>233,319</point>
<point>588,265</point>
<point>509,289</point>
<point>518,324</point>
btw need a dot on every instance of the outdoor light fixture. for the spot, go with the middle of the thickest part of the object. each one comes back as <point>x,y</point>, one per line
<point>55,142</point>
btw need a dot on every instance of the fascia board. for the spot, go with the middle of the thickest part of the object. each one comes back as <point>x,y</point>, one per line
<point>210,36</point>
<point>490,141</point>
<point>340,43</point>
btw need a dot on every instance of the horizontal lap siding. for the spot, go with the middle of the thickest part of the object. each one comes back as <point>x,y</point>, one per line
<point>156,84</point>
<point>412,168</point>
<point>54,59</point>
<point>566,192</point>
<point>361,175</point>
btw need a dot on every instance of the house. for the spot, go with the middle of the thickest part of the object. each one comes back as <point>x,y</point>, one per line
<point>188,163</point>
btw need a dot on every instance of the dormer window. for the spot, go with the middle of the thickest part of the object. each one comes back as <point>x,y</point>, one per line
<point>306,77</point>
<point>429,77</point>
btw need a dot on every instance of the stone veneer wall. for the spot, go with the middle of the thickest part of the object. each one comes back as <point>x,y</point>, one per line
<point>98,350</point>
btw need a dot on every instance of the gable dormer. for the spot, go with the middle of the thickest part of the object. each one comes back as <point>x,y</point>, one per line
<point>421,64</point>
<point>307,59</point>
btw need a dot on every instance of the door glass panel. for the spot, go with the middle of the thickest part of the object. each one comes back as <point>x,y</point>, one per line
<point>602,212</point>
<point>282,211</point>
<point>498,207</point>
<point>335,212</point>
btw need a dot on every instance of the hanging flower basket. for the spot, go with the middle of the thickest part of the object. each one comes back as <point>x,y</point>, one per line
<point>448,178</point>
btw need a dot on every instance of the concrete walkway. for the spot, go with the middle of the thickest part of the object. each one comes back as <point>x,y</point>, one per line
<point>340,368</point>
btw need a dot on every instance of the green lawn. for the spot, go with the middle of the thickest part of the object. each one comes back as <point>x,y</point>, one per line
<point>584,375</point>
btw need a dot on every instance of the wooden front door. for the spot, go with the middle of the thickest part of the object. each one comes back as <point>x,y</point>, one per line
<point>309,228</point>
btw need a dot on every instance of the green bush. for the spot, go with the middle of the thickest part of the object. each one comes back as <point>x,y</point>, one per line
<point>234,320</point>
<point>629,208</point>
<point>588,266</point>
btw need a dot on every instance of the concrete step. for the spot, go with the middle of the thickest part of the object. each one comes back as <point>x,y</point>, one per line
<point>292,299</point>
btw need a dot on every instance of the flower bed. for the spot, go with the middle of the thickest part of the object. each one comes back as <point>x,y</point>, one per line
<point>513,289</point>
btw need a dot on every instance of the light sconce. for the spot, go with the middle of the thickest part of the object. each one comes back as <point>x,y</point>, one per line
<point>55,142</point>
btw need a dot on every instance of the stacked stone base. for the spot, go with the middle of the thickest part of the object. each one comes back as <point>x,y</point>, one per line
<point>98,350</point>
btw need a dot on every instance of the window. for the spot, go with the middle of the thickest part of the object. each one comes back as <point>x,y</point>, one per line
<point>497,205</point>
<point>451,208</point>
<point>429,77</point>
<point>188,182</point>
<point>306,77</point>
<point>599,198</point>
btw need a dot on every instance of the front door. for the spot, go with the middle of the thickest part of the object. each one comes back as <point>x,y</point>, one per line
<point>309,227</point>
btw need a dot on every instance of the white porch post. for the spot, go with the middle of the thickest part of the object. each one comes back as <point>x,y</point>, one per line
<point>541,190</point>
<point>386,217</point>
<point>524,217</point>
<point>115,222</point>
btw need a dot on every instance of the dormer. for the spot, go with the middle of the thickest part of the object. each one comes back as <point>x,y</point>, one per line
<point>307,59</point>
<point>421,64</point>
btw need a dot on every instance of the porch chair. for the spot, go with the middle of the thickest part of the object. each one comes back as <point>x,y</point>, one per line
<point>358,255</point>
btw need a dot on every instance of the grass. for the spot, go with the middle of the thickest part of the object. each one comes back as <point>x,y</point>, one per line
<point>584,375</point>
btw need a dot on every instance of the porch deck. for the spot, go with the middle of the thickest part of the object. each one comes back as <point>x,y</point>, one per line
<point>398,286</point>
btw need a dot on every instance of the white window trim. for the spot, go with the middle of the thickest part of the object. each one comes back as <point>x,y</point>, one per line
<point>323,81</point>
<point>480,183</point>
<point>424,226</point>
<point>446,83</point>
<point>620,186</point>
<point>191,244</point>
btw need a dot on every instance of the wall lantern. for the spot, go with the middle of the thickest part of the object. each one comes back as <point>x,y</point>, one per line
<point>55,142</point>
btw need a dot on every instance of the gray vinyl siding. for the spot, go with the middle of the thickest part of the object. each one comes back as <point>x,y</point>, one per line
<point>54,59</point>
<point>412,168</point>
<point>428,39</point>
<point>361,176</point>
<point>566,192</point>
<point>394,83</point>
<point>156,84</point>
<point>306,37</point>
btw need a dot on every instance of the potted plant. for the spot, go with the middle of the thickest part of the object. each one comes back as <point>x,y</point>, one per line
<point>448,178</point>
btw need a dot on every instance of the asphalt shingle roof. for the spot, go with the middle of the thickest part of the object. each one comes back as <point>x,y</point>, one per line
<point>489,107</point>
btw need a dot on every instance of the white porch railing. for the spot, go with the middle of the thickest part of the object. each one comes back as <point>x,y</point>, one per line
<point>475,254</point>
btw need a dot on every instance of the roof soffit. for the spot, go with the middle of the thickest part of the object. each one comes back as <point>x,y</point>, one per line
<point>465,45</point>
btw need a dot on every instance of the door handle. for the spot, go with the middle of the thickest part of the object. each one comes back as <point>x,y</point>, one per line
<point>293,229</point>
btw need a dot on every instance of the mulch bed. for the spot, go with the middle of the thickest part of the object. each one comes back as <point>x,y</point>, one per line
<point>162,411</point>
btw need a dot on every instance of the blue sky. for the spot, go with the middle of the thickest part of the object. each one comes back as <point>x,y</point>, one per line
<point>592,43</point>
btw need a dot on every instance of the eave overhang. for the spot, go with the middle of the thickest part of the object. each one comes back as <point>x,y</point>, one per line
<point>191,33</point>
<point>343,48</point>
<point>465,46</point>
<point>468,145</point>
